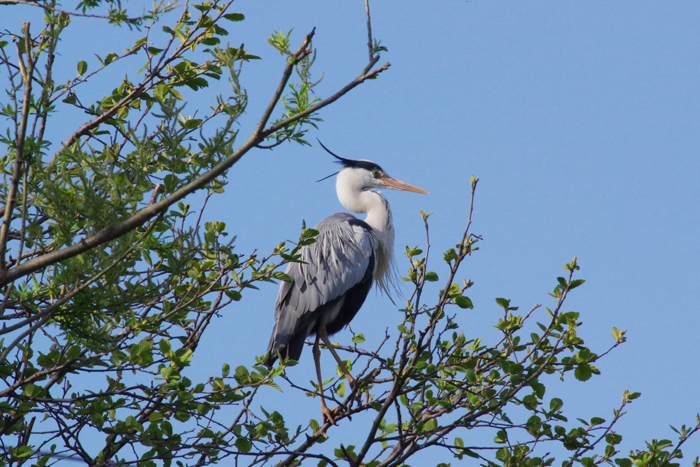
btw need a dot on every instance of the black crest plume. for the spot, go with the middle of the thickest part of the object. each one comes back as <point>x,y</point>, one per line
<point>367,165</point>
<point>341,160</point>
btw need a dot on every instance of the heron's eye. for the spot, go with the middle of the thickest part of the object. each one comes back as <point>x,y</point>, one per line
<point>377,174</point>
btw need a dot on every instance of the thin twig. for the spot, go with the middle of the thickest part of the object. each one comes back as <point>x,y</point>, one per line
<point>369,32</point>
<point>156,191</point>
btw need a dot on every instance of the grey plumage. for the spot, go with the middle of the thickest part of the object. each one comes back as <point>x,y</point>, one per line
<point>328,288</point>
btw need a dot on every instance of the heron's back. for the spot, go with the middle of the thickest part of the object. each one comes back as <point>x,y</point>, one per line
<point>328,288</point>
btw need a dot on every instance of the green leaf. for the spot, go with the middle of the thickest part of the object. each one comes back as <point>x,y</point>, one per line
<point>471,453</point>
<point>450,255</point>
<point>182,416</point>
<point>234,17</point>
<point>74,351</point>
<point>165,347</point>
<point>572,266</point>
<point>234,295</point>
<point>358,339</point>
<point>191,124</point>
<point>503,454</point>
<point>430,425</point>
<point>555,404</point>
<point>502,302</point>
<point>431,277</point>
<point>471,375</point>
<point>613,438</point>
<point>413,252</point>
<point>501,437</point>
<point>583,373</point>
<point>242,375</point>
<point>110,58</point>
<point>416,406</point>
<point>244,445</point>
<point>32,390</point>
<point>314,425</point>
<point>464,302</point>
<point>82,67</point>
<point>22,452</point>
<point>281,276</point>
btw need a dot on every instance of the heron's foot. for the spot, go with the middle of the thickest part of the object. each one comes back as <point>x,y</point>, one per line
<point>328,415</point>
<point>351,381</point>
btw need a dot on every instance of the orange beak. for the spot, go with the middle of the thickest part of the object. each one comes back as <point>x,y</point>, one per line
<point>394,184</point>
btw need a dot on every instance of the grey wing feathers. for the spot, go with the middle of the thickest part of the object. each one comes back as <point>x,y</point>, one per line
<point>335,263</point>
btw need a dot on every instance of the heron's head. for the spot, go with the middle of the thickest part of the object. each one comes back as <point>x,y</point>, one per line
<point>364,175</point>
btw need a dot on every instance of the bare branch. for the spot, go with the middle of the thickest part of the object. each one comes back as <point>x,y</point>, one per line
<point>369,32</point>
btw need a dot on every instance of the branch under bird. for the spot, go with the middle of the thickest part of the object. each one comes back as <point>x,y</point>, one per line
<point>338,270</point>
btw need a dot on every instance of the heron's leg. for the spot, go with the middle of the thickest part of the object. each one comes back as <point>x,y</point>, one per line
<point>317,360</point>
<point>323,334</point>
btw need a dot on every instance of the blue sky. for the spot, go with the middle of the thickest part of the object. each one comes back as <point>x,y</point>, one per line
<point>581,120</point>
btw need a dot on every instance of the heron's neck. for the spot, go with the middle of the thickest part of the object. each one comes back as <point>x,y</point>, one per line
<point>371,203</point>
<point>379,219</point>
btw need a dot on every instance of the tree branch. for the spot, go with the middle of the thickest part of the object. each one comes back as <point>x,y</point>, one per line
<point>369,32</point>
<point>27,73</point>
<point>300,54</point>
<point>115,231</point>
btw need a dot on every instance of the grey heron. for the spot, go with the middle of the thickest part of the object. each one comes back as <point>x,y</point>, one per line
<point>338,270</point>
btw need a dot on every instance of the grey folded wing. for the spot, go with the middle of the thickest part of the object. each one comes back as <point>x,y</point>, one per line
<point>341,261</point>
